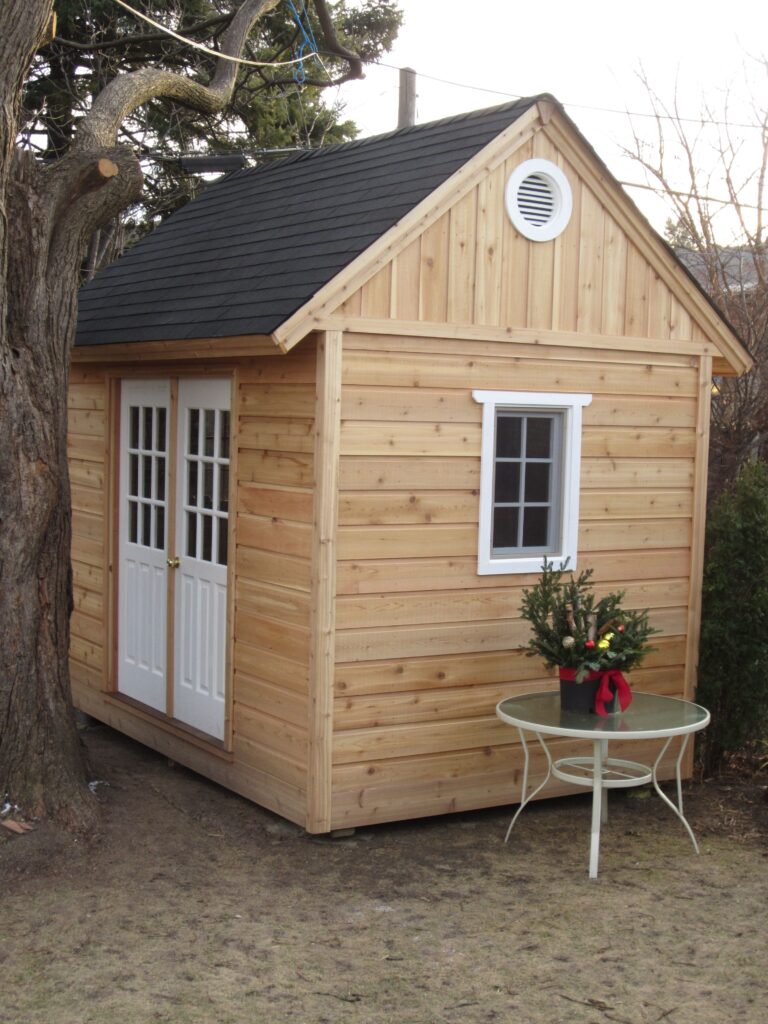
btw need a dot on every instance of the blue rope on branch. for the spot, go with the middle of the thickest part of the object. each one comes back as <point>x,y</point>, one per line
<point>307,41</point>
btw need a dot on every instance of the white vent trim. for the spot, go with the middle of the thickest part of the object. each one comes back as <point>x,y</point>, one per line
<point>539,200</point>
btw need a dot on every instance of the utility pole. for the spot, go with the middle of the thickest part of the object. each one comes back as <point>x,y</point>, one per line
<point>406,111</point>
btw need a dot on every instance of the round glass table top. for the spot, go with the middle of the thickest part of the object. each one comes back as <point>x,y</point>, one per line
<point>648,715</point>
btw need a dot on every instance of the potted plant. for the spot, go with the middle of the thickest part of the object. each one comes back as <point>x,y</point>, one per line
<point>592,642</point>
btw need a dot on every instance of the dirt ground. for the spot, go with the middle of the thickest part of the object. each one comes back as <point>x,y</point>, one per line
<point>193,905</point>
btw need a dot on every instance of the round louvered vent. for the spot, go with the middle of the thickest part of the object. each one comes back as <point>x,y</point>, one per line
<point>538,199</point>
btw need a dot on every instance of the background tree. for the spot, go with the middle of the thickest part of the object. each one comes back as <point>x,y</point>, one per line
<point>270,107</point>
<point>49,210</point>
<point>734,627</point>
<point>724,247</point>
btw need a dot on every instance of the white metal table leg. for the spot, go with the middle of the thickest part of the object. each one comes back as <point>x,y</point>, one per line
<point>524,800</point>
<point>604,797</point>
<point>597,800</point>
<point>678,778</point>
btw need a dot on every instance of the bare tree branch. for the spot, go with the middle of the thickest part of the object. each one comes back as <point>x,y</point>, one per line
<point>127,92</point>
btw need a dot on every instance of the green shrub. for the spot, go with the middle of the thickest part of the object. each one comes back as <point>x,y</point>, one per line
<point>733,653</point>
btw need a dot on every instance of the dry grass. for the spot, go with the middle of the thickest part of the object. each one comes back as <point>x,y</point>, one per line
<point>196,906</point>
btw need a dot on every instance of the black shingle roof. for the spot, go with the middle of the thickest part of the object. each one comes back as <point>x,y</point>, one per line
<point>256,246</point>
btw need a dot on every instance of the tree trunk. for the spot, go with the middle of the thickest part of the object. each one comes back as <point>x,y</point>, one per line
<point>48,212</point>
<point>41,761</point>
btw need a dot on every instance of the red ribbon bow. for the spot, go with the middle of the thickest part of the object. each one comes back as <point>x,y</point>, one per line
<point>604,693</point>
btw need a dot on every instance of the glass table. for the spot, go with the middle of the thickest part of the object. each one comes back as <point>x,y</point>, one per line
<point>649,716</point>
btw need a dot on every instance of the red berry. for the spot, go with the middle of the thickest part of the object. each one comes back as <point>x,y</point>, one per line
<point>590,644</point>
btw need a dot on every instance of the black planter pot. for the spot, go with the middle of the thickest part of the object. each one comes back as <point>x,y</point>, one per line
<point>580,697</point>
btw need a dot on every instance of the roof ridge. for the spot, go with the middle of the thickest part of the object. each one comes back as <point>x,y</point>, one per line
<point>335,147</point>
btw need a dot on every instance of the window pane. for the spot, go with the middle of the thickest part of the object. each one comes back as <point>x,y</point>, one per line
<point>539,438</point>
<point>508,436</point>
<point>160,441</point>
<point>159,527</point>
<point>134,441</point>
<point>133,522</point>
<point>146,476</point>
<point>133,475</point>
<point>192,467</point>
<point>160,485</point>
<point>537,481</point>
<point>223,488</point>
<point>191,534</point>
<point>221,557</point>
<point>505,527</point>
<point>146,525</point>
<point>207,537</point>
<point>507,485</point>
<point>224,436</point>
<point>194,429</point>
<point>210,426</point>
<point>147,435</point>
<point>208,485</point>
<point>536,528</point>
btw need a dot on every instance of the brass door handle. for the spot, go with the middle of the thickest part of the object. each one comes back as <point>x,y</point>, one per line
<point>173,563</point>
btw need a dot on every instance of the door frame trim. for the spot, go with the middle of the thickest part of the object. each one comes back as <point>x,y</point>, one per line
<point>114,378</point>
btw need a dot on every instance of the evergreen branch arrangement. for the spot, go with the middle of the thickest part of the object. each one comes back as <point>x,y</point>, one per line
<point>573,629</point>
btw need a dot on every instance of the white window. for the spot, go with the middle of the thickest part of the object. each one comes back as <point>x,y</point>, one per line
<point>529,480</point>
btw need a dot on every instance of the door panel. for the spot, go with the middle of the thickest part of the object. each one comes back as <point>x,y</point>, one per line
<point>194,548</point>
<point>142,638</point>
<point>202,511</point>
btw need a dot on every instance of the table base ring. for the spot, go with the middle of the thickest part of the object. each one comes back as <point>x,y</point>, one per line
<point>616,772</point>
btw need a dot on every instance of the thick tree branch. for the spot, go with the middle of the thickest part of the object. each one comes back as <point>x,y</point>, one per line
<point>333,44</point>
<point>125,42</point>
<point>127,92</point>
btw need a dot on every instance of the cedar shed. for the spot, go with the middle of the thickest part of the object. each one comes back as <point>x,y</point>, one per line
<point>327,421</point>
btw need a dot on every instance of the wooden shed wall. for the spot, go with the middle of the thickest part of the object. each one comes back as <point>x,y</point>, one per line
<point>424,645</point>
<point>89,477</point>
<point>275,481</point>
<point>273,478</point>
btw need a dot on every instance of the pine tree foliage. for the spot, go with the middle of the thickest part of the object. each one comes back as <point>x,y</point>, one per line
<point>572,628</point>
<point>271,107</point>
<point>733,654</point>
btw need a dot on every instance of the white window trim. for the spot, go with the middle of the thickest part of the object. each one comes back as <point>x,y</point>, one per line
<point>522,401</point>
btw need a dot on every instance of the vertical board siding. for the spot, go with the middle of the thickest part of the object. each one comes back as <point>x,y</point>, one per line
<point>470,266</point>
<point>275,429</point>
<point>87,445</point>
<point>425,647</point>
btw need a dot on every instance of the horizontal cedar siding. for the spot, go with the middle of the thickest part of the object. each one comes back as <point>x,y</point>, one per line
<point>275,431</point>
<point>87,447</point>
<point>425,646</point>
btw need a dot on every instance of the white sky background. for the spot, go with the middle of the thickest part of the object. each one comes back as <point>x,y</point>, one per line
<point>587,54</point>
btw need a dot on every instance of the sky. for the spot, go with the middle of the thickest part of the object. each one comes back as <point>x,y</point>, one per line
<point>589,55</point>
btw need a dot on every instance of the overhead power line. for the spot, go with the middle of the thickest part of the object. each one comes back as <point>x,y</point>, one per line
<point>583,106</point>
<point>692,195</point>
<point>207,49</point>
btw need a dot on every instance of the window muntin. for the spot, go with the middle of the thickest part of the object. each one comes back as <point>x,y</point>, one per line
<point>529,479</point>
<point>147,505</point>
<point>206,492</point>
<point>527,482</point>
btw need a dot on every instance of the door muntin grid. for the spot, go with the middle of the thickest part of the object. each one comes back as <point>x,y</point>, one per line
<point>206,485</point>
<point>527,483</point>
<point>147,475</point>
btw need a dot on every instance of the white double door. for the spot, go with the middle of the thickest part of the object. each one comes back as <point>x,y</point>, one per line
<point>173,518</point>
